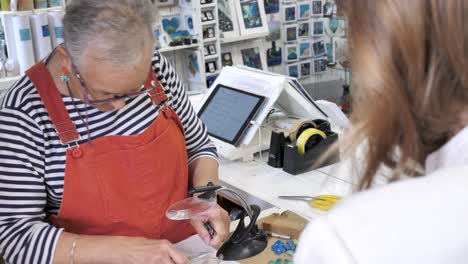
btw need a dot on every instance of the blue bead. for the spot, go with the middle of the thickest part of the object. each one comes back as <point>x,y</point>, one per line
<point>291,245</point>
<point>65,78</point>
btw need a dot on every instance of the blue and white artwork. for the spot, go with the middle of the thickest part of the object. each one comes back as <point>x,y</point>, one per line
<point>271,6</point>
<point>251,14</point>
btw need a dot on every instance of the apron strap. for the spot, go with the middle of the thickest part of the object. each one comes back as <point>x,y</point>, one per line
<point>42,80</point>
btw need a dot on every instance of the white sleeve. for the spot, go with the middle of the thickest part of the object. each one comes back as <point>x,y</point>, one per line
<point>321,244</point>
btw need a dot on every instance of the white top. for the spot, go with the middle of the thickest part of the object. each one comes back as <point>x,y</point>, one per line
<point>421,220</point>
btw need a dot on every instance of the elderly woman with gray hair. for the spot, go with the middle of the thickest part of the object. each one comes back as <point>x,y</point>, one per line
<point>96,141</point>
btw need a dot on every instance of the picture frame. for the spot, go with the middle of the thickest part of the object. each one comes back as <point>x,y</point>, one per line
<point>252,17</point>
<point>305,49</point>
<point>291,53</point>
<point>271,6</point>
<point>303,30</point>
<point>289,13</point>
<point>204,18</point>
<point>193,66</point>
<point>329,9</point>
<point>303,10</point>
<point>212,49</point>
<point>189,22</point>
<point>318,27</point>
<point>274,29</point>
<point>274,55</point>
<point>317,8</point>
<point>209,15</point>
<point>253,55</point>
<point>305,68</point>
<point>171,24</point>
<point>227,59</point>
<point>228,21</point>
<point>320,65</point>
<point>319,48</point>
<point>186,3</point>
<point>211,67</point>
<point>211,32</point>
<point>164,3</point>
<point>290,33</point>
<point>293,70</point>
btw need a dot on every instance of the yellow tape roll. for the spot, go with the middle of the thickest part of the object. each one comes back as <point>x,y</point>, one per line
<point>306,135</point>
<point>293,130</point>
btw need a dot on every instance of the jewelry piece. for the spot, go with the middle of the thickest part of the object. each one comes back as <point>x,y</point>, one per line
<point>65,77</point>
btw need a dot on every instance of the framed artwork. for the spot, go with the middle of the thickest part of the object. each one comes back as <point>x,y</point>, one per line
<point>209,33</point>
<point>204,17</point>
<point>317,8</point>
<point>292,53</point>
<point>193,66</point>
<point>305,69</point>
<point>189,23</point>
<point>227,18</point>
<point>274,55</point>
<point>252,17</point>
<point>303,9</point>
<point>209,15</point>
<point>226,59</point>
<point>320,65</point>
<point>212,49</point>
<point>274,27</point>
<point>165,2</point>
<point>253,55</point>
<point>186,3</point>
<point>329,9</point>
<point>291,33</point>
<point>303,30</point>
<point>171,25</point>
<point>318,48</point>
<point>318,28</point>
<point>305,50</point>
<point>251,58</point>
<point>271,6</point>
<point>211,67</point>
<point>289,13</point>
<point>330,54</point>
<point>293,70</point>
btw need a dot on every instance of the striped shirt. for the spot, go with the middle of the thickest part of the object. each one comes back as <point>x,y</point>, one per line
<point>32,160</point>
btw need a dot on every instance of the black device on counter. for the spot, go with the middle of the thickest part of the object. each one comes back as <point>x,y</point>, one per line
<point>287,154</point>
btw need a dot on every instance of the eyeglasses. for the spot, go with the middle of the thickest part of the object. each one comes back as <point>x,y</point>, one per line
<point>147,87</point>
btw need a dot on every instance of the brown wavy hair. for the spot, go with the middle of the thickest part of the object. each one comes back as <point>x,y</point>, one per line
<point>409,79</point>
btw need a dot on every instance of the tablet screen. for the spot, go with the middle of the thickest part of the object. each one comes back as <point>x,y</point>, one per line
<point>227,113</point>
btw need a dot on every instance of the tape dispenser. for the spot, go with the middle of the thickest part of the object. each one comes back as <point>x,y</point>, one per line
<point>299,148</point>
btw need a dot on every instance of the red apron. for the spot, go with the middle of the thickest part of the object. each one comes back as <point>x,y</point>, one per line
<point>120,185</point>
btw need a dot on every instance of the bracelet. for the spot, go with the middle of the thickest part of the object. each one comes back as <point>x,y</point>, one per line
<point>72,250</point>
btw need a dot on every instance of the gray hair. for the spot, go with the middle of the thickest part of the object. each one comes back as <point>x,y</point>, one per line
<point>118,29</point>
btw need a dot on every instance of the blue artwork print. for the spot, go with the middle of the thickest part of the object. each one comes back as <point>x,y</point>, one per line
<point>290,13</point>
<point>294,71</point>
<point>304,10</point>
<point>171,27</point>
<point>274,56</point>
<point>251,14</point>
<point>271,6</point>
<point>292,53</point>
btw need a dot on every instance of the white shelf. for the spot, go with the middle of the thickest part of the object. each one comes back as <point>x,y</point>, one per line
<point>180,47</point>
<point>211,57</point>
<point>206,6</point>
<point>210,40</point>
<point>243,38</point>
<point>39,10</point>
<point>209,23</point>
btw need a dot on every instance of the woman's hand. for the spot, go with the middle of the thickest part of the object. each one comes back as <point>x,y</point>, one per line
<point>218,218</point>
<point>142,250</point>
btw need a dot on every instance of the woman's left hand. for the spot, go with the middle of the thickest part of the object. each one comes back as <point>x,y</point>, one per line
<point>218,218</point>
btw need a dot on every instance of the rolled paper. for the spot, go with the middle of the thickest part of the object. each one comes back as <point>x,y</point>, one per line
<point>23,42</point>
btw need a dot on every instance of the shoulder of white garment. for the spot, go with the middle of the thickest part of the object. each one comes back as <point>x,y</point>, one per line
<point>420,220</point>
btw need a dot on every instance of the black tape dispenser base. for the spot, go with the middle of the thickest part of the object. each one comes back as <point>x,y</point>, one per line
<point>303,148</point>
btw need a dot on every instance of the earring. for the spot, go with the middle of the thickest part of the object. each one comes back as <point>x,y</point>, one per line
<point>65,77</point>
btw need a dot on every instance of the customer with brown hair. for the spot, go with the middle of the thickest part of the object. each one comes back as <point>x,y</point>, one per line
<point>411,109</point>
